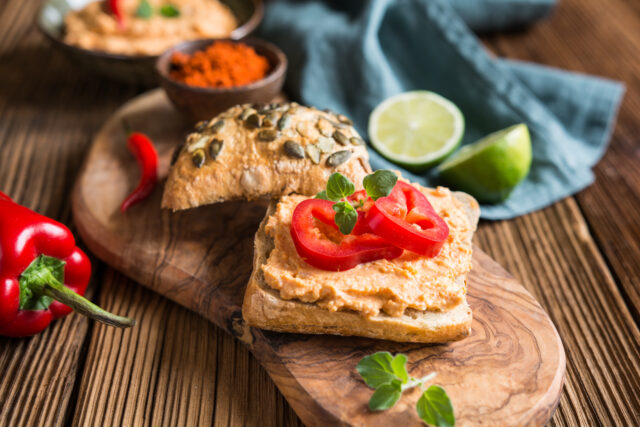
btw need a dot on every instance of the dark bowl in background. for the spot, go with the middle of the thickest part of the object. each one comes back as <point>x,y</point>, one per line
<point>200,103</point>
<point>133,69</point>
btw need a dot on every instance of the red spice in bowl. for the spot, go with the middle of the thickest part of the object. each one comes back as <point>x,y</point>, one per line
<point>222,64</point>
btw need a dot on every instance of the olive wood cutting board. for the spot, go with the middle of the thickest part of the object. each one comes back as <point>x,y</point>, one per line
<point>510,370</point>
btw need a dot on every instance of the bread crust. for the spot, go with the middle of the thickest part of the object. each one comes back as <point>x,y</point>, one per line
<point>264,308</point>
<point>247,168</point>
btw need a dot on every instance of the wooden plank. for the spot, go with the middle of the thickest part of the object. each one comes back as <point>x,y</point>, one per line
<point>174,368</point>
<point>38,374</point>
<point>601,38</point>
<point>553,254</point>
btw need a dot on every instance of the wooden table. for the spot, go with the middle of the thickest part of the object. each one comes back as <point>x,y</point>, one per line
<point>578,257</point>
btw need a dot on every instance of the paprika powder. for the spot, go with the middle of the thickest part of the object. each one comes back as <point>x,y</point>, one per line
<point>223,64</point>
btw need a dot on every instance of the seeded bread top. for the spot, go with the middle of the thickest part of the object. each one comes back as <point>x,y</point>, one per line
<point>248,152</point>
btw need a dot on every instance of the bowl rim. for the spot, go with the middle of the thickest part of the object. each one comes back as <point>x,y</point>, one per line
<point>238,33</point>
<point>277,72</point>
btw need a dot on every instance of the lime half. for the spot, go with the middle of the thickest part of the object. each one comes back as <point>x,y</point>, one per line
<point>490,169</point>
<point>416,129</point>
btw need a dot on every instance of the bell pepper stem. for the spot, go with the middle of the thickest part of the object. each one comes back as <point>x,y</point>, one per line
<point>85,307</point>
<point>44,277</point>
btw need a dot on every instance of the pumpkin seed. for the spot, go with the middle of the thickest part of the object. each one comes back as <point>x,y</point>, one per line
<point>246,113</point>
<point>215,148</point>
<point>294,149</point>
<point>313,152</point>
<point>269,120</point>
<point>200,142</point>
<point>324,126</point>
<point>340,138</point>
<point>198,157</point>
<point>325,145</point>
<point>264,109</point>
<point>285,121</point>
<point>356,140</point>
<point>338,158</point>
<point>199,127</point>
<point>176,153</point>
<point>268,135</point>
<point>253,121</point>
<point>217,126</point>
<point>344,119</point>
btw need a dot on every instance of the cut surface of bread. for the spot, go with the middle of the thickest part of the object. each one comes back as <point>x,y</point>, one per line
<point>252,152</point>
<point>264,307</point>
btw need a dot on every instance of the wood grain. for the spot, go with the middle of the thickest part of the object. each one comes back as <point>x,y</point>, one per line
<point>49,110</point>
<point>175,368</point>
<point>601,38</point>
<point>202,258</point>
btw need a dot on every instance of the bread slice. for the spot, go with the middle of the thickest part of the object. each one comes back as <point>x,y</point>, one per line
<point>264,308</point>
<point>250,152</point>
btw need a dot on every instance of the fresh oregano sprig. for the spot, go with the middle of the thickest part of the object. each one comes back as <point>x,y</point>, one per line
<point>145,10</point>
<point>388,375</point>
<point>339,187</point>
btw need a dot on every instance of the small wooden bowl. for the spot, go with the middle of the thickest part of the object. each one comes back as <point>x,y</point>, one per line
<point>133,69</point>
<point>200,103</point>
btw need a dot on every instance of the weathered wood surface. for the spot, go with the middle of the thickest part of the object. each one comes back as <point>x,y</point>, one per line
<point>510,370</point>
<point>588,244</point>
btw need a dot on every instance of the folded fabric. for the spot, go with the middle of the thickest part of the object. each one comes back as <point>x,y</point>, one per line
<point>351,57</point>
<point>492,15</point>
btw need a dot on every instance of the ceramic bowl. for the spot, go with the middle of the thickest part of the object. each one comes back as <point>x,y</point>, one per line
<point>200,103</point>
<point>137,69</point>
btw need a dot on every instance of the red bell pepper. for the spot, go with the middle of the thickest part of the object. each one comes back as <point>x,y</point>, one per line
<point>336,252</point>
<point>147,157</point>
<point>406,218</point>
<point>42,273</point>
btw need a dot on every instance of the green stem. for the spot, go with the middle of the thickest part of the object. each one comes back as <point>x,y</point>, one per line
<point>83,306</point>
<point>44,277</point>
<point>418,382</point>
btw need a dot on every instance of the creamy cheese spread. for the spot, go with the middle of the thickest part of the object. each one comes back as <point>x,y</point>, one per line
<point>94,27</point>
<point>408,282</point>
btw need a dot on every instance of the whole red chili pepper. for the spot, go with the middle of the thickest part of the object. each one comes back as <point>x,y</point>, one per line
<point>42,273</point>
<point>147,157</point>
<point>114,6</point>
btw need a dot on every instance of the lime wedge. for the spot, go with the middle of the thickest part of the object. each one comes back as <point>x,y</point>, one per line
<point>416,129</point>
<point>490,169</point>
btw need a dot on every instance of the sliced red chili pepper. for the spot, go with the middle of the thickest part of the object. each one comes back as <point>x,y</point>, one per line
<point>407,219</point>
<point>114,6</point>
<point>338,252</point>
<point>147,157</point>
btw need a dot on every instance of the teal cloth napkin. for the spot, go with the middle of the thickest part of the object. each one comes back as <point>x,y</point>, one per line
<point>351,55</point>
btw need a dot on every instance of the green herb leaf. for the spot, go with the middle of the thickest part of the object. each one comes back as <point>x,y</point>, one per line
<point>385,396</point>
<point>144,10</point>
<point>399,366</point>
<point>346,217</point>
<point>42,270</point>
<point>380,183</point>
<point>339,186</point>
<point>169,11</point>
<point>435,408</point>
<point>322,195</point>
<point>377,370</point>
